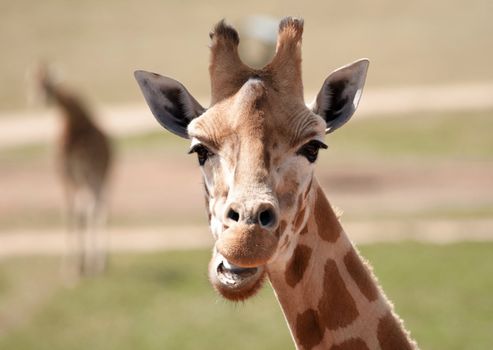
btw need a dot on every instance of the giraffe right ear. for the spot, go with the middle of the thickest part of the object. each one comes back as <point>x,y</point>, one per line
<point>340,94</point>
<point>170,102</point>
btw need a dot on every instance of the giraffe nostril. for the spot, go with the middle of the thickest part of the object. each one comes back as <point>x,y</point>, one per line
<point>233,215</point>
<point>267,217</point>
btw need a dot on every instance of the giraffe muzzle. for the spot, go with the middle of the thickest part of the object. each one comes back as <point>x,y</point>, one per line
<point>247,246</point>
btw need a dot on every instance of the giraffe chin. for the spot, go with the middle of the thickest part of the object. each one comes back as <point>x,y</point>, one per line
<point>233,282</point>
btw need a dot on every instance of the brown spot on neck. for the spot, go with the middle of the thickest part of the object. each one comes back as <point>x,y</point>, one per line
<point>308,329</point>
<point>298,264</point>
<point>329,227</point>
<point>337,307</point>
<point>390,334</point>
<point>361,275</point>
<point>351,344</point>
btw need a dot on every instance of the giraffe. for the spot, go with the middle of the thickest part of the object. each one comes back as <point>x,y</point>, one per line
<point>84,162</point>
<point>256,145</point>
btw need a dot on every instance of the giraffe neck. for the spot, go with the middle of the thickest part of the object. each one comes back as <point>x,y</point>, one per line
<point>76,115</point>
<point>328,294</point>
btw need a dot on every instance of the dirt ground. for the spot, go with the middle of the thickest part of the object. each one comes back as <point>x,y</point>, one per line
<point>160,188</point>
<point>157,202</point>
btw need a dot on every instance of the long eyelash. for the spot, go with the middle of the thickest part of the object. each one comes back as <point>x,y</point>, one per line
<point>203,153</point>
<point>310,150</point>
<point>194,148</point>
<point>320,144</point>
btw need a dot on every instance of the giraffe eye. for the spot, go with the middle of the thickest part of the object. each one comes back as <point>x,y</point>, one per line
<point>203,153</point>
<point>310,150</point>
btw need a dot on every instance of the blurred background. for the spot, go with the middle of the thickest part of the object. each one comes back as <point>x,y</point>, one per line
<point>413,170</point>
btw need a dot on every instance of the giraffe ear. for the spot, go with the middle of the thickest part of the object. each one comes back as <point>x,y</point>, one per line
<point>170,102</point>
<point>340,94</point>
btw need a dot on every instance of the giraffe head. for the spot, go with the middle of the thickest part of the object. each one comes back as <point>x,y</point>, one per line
<point>256,145</point>
<point>41,80</point>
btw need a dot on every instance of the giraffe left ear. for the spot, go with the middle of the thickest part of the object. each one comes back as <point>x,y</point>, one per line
<point>170,102</point>
<point>340,94</point>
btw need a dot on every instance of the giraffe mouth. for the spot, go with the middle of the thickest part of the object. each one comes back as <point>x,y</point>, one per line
<point>235,282</point>
<point>232,274</point>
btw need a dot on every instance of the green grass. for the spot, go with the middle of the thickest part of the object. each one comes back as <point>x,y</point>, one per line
<point>163,301</point>
<point>99,44</point>
<point>443,292</point>
<point>424,136</point>
<point>443,212</point>
<point>151,302</point>
<point>26,153</point>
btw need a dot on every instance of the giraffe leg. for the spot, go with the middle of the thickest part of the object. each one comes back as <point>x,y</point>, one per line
<point>101,236</point>
<point>74,259</point>
<point>83,232</point>
<point>86,239</point>
<point>82,239</point>
<point>68,264</point>
<point>96,237</point>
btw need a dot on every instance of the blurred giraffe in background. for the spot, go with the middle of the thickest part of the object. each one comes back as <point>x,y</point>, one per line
<point>84,162</point>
